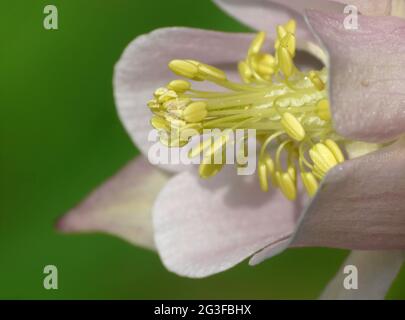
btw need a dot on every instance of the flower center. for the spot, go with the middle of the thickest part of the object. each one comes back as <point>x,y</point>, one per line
<point>288,108</point>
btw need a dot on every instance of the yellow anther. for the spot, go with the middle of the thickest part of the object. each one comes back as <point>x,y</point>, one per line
<point>333,146</point>
<point>172,138</point>
<point>244,71</point>
<point>310,183</point>
<point>195,111</point>
<point>285,61</point>
<point>195,151</point>
<point>184,68</point>
<point>263,178</point>
<point>209,72</point>
<point>257,43</point>
<point>276,44</point>
<point>160,91</point>
<point>190,130</point>
<point>322,157</point>
<point>281,32</point>
<point>170,94</point>
<point>176,104</point>
<point>159,123</point>
<point>289,43</point>
<point>323,110</point>
<point>292,172</point>
<point>153,105</point>
<point>217,145</point>
<point>291,26</point>
<point>179,85</point>
<point>316,80</point>
<point>265,64</point>
<point>208,170</point>
<point>271,169</point>
<point>318,173</point>
<point>292,126</point>
<point>287,185</point>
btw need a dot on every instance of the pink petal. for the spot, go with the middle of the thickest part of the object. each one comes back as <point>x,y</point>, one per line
<point>376,272</point>
<point>121,206</point>
<point>265,15</point>
<point>360,205</point>
<point>367,74</point>
<point>143,68</point>
<point>203,227</point>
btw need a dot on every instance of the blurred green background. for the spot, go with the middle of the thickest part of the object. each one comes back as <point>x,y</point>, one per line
<point>60,137</point>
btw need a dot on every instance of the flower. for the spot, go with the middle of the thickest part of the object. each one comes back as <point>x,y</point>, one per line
<point>201,227</point>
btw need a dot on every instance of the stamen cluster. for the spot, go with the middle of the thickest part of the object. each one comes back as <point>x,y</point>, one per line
<point>287,107</point>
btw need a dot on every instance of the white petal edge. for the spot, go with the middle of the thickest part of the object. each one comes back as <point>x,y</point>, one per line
<point>218,223</point>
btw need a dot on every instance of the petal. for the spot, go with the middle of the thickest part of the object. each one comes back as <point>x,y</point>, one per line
<point>367,74</point>
<point>370,7</point>
<point>376,272</point>
<point>360,205</point>
<point>143,67</point>
<point>121,206</point>
<point>267,14</point>
<point>206,226</point>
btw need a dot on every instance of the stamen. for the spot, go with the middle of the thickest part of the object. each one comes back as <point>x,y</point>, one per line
<point>292,126</point>
<point>310,183</point>
<point>288,108</point>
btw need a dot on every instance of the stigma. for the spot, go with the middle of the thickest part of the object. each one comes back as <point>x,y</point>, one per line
<point>288,108</point>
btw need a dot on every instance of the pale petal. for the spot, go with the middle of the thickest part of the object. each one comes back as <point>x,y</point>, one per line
<point>270,251</point>
<point>206,226</point>
<point>143,67</point>
<point>360,204</point>
<point>265,15</point>
<point>376,270</point>
<point>121,206</point>
<point>370,7</point>
<point>367,74</point>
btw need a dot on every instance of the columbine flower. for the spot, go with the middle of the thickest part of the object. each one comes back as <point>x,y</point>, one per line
<point>303,119</point>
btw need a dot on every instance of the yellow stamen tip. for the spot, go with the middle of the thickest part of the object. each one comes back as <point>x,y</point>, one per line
<point>292,126</point>
<point>159,123</point>
<point>310,183</point>
<point>179,85</point>
<point>210,72</point>
<point>323,110</point>
<point>334,148</point>
<point>281,32</point>
<point>263,177</point>
<point>287,185</point>
<point>184,68</point>
<point>291,26</point>
<point>271,170</point>
<point>195,112</point>
<point>322,157</point>
<point>244,72</point>
<point>257,43</point>
<point>285,61</point>
<point>208,170</point>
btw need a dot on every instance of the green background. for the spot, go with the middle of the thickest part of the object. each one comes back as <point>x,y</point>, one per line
<point>60,137</point>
